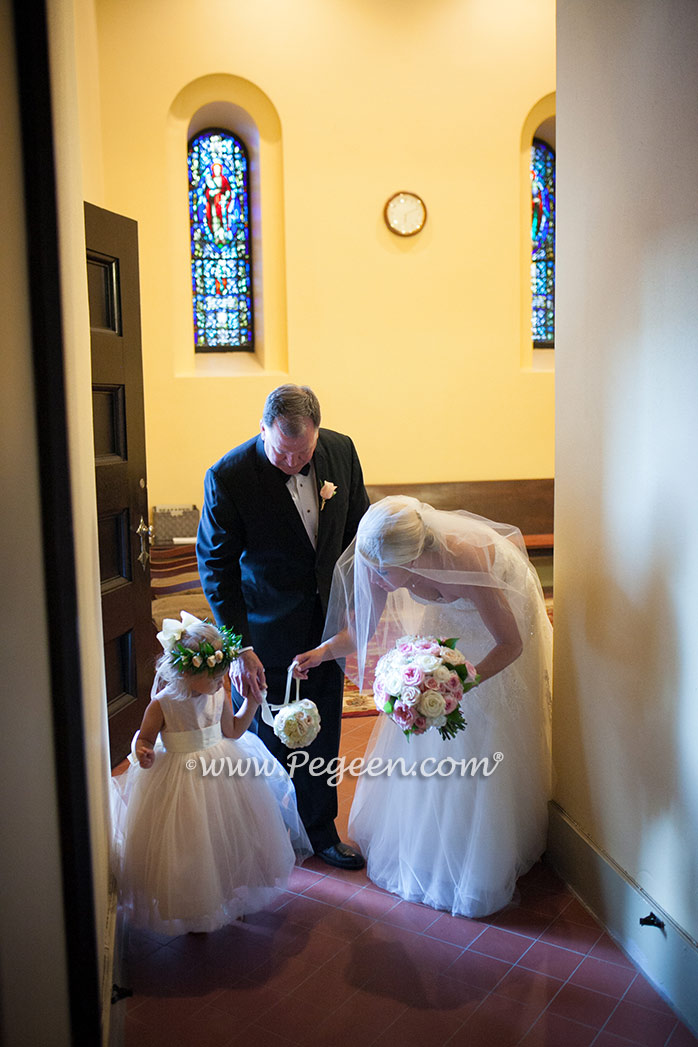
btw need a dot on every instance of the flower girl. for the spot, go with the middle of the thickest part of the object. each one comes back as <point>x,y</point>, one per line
<point>206,827</point>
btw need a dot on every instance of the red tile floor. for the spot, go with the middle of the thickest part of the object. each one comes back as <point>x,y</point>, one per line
<point>339,961</point>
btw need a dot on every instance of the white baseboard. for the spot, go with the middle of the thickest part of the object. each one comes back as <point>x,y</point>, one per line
<point>110,1036</point>
<point>667,957</point>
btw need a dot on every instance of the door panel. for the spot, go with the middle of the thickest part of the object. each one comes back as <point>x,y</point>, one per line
<point>119,448</point>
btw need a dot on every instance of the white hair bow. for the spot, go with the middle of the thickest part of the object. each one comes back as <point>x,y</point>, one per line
<point>172,629</point>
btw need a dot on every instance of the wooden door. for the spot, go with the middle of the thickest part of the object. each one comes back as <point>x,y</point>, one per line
<point>119,447</point>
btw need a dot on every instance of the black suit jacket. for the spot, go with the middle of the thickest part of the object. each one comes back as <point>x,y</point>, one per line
<point>258,568</point>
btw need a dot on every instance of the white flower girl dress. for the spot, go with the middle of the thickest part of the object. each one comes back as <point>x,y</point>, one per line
<point>208,833</point>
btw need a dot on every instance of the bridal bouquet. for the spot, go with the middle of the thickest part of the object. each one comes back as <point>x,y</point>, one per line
<point>420,684</point>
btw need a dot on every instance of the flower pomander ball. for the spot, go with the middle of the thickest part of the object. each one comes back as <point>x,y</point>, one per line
<point>297,724</point>
<point>420,684</point>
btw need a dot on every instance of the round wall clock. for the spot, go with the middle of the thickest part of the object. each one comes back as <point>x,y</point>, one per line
<point>405,213</point>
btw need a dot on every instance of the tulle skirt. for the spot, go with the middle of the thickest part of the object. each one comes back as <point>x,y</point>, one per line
<point>457,822</point>
<point>195,851</point>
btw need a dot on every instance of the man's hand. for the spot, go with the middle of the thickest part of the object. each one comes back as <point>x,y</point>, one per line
<point>247,676</point>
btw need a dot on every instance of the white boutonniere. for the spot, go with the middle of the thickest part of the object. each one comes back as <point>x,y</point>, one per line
<point>327,491</point>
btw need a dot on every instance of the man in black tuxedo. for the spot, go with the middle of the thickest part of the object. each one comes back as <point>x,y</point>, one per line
<point>267,545</point>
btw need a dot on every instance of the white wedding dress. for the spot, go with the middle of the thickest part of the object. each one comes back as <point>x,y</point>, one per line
<point>194,852</point>
<point>459,842</point>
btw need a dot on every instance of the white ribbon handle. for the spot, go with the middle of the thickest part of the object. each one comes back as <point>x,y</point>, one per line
<point>268,709</point>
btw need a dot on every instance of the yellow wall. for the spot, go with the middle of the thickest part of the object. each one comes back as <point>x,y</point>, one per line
<point>414,346</point>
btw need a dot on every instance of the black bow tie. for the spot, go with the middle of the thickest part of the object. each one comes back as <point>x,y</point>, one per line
<point>303,472</point>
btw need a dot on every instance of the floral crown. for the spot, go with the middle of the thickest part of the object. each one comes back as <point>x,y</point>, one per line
<point>203,658</point>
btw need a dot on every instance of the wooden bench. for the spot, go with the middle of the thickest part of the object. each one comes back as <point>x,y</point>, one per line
<point>526,503</point>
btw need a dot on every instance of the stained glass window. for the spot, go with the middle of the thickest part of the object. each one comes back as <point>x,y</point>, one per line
<point>542,244</point>
<point>221,262</point>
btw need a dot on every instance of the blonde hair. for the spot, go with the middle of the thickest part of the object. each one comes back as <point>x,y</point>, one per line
<point>392,532</point>
<point>192,637</point>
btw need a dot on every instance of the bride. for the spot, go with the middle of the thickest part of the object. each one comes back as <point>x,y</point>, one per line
<point>456,841</point>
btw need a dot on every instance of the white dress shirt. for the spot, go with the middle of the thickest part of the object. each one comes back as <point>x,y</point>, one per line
<point>303,490</point>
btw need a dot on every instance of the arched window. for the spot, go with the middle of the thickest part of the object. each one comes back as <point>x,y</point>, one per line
<point>221,261</point>
<point>542,244</point>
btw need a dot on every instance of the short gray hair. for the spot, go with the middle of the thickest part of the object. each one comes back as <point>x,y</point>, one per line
<point>290,405</point>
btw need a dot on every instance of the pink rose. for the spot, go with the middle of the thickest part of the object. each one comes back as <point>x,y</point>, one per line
<point>472,671</point>
<point>327,491</point>
<point>419,725</point>
<point>403,715</point>
<point>405,648</point>
<point>451,703</point>
<point>427,647</point>
<point>453,683</point>
<point>380,693</point>
<point>431,683</point>
<point>379,688</point>
<point>413,675</point>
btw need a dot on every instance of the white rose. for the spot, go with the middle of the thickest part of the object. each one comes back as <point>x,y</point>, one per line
<point>196,661</point>
<point>441,673</point>
<point>393,682</point>
<point>428,662</point>
<point>431,704</point>
<point>298,724</point>
<point>291,729</point>
<point>292,735</point>
<point>410,695</point>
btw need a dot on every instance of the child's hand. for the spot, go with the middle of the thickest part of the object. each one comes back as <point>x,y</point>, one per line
<point>153,722</point>
<point>145,754</point>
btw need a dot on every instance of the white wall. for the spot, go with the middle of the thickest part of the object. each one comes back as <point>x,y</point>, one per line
<point>33,985</point>
<point>626,558</point>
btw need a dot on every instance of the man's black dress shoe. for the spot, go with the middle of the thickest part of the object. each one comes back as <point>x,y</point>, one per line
<point>342,855</point>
